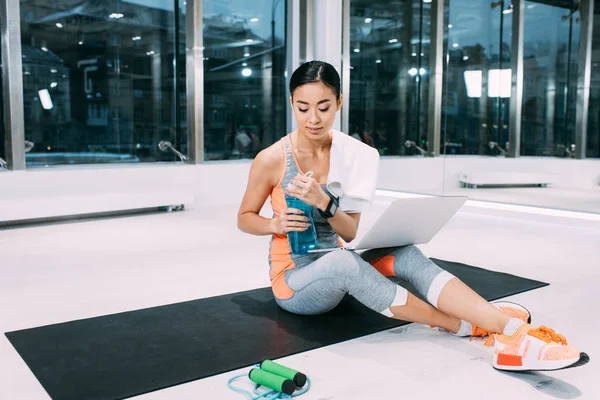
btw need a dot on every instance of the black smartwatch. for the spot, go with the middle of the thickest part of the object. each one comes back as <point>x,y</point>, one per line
<point>331,207</point>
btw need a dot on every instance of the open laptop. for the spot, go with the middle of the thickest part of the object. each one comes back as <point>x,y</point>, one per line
<point>407,221</point>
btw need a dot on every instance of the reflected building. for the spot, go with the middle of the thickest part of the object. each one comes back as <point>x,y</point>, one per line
<point>389,79</point>
<point>244,89</point>
<point>109,76</point>
<point>114,72</point>
<point>389,44</point>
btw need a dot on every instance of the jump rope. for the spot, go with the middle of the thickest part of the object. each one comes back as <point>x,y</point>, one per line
<point>284,382</point>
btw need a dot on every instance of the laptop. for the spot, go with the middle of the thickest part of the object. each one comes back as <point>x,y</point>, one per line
<point>407,221</point>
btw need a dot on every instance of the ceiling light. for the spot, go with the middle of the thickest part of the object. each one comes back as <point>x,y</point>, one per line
<point>45,99</point>
<point>393,40</point>
<point>254,20</point>
<point>368,20</point>
<point>116,15</point>
<point>59,25</point>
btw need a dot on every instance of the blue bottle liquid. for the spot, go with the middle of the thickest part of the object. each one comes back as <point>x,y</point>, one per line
<point>302,242</point>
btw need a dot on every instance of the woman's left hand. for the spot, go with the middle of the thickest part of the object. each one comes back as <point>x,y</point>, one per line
<point>309,191</point>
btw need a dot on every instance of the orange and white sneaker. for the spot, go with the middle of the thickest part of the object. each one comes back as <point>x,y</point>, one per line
<point>534,349</point>
<point>511,309</point>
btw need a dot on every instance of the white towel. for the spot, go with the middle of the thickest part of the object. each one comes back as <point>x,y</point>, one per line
<point>353,171</point>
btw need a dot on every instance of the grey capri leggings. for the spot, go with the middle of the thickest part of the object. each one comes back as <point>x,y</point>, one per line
<point>320,286</point>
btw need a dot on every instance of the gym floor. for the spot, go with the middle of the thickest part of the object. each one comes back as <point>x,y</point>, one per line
<point>79,269</point>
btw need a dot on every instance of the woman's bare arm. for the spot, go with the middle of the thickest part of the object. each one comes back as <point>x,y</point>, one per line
<point>261,181</point>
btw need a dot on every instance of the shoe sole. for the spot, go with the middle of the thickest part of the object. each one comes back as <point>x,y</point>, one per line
<point>545,365</point>
<point>515,305</point>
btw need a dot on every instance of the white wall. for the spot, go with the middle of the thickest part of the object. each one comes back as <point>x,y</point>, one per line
<point>61,191</point>
<point>65,191</point>
<point>435,175</point>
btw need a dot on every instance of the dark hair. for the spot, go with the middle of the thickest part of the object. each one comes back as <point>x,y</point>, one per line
<point>316,71</point>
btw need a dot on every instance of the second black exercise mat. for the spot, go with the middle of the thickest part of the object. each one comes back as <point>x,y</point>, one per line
<point>123,355</point>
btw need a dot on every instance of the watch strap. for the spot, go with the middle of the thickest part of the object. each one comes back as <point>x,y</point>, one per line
<point>328,211</point>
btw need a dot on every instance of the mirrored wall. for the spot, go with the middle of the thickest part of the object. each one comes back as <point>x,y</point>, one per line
<point>477,80</point>
<point>479,94</point>
<point>551,61</point>
<point>244,77</point>
<point>102,80</point>
<point>389,47</point>
<point>105,82</point>
<point>593,142</point>
<point>3,166</point>
<point>389,53</point>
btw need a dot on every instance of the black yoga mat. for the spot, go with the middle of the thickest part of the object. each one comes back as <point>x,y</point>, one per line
<point>127,354</point>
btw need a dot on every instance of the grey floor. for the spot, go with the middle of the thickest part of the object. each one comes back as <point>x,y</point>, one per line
<point>61,272</point>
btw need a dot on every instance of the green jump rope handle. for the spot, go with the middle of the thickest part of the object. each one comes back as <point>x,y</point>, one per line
<point>298,377</point>
<point>272,381</point>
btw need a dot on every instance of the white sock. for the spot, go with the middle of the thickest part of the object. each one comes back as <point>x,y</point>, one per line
<point>512,326</point>
<point>465,329</point>
<point>400,299</point>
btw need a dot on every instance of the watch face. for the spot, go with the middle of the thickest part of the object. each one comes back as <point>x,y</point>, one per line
<point>332,208</point>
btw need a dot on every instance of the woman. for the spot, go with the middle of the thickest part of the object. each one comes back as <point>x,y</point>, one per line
<point>315,283</point>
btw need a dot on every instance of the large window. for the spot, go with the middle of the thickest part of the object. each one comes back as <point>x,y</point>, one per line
<point>477,80</point>
<point>244,76</point>
<point>102,80</point>
<point>593,131</point>
<point>2,127</point>
<point>550,62</point>
<point>389,44</point>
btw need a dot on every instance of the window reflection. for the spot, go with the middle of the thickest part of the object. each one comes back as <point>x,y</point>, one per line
<point>99,80</point>
<point>2,128</point>
<point>244,82</point>
<point>550,63</point>
<point>477,79</point>
<point>389,44</point>
<point>593,131</point>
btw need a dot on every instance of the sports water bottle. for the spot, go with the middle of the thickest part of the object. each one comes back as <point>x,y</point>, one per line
<point>302,242</point>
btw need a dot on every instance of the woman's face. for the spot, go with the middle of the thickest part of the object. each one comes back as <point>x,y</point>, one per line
<point>315,106</point>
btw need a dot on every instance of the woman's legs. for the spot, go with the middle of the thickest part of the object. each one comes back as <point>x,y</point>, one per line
<point>320,286</point>
<point>461,301</point>
<point>446,292</point>
<point>416,310</point>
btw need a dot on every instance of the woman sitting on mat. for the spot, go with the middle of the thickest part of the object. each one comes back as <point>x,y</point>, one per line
<point>315,283</point>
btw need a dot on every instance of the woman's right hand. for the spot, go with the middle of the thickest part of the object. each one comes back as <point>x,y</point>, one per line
<point>290,220</point>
